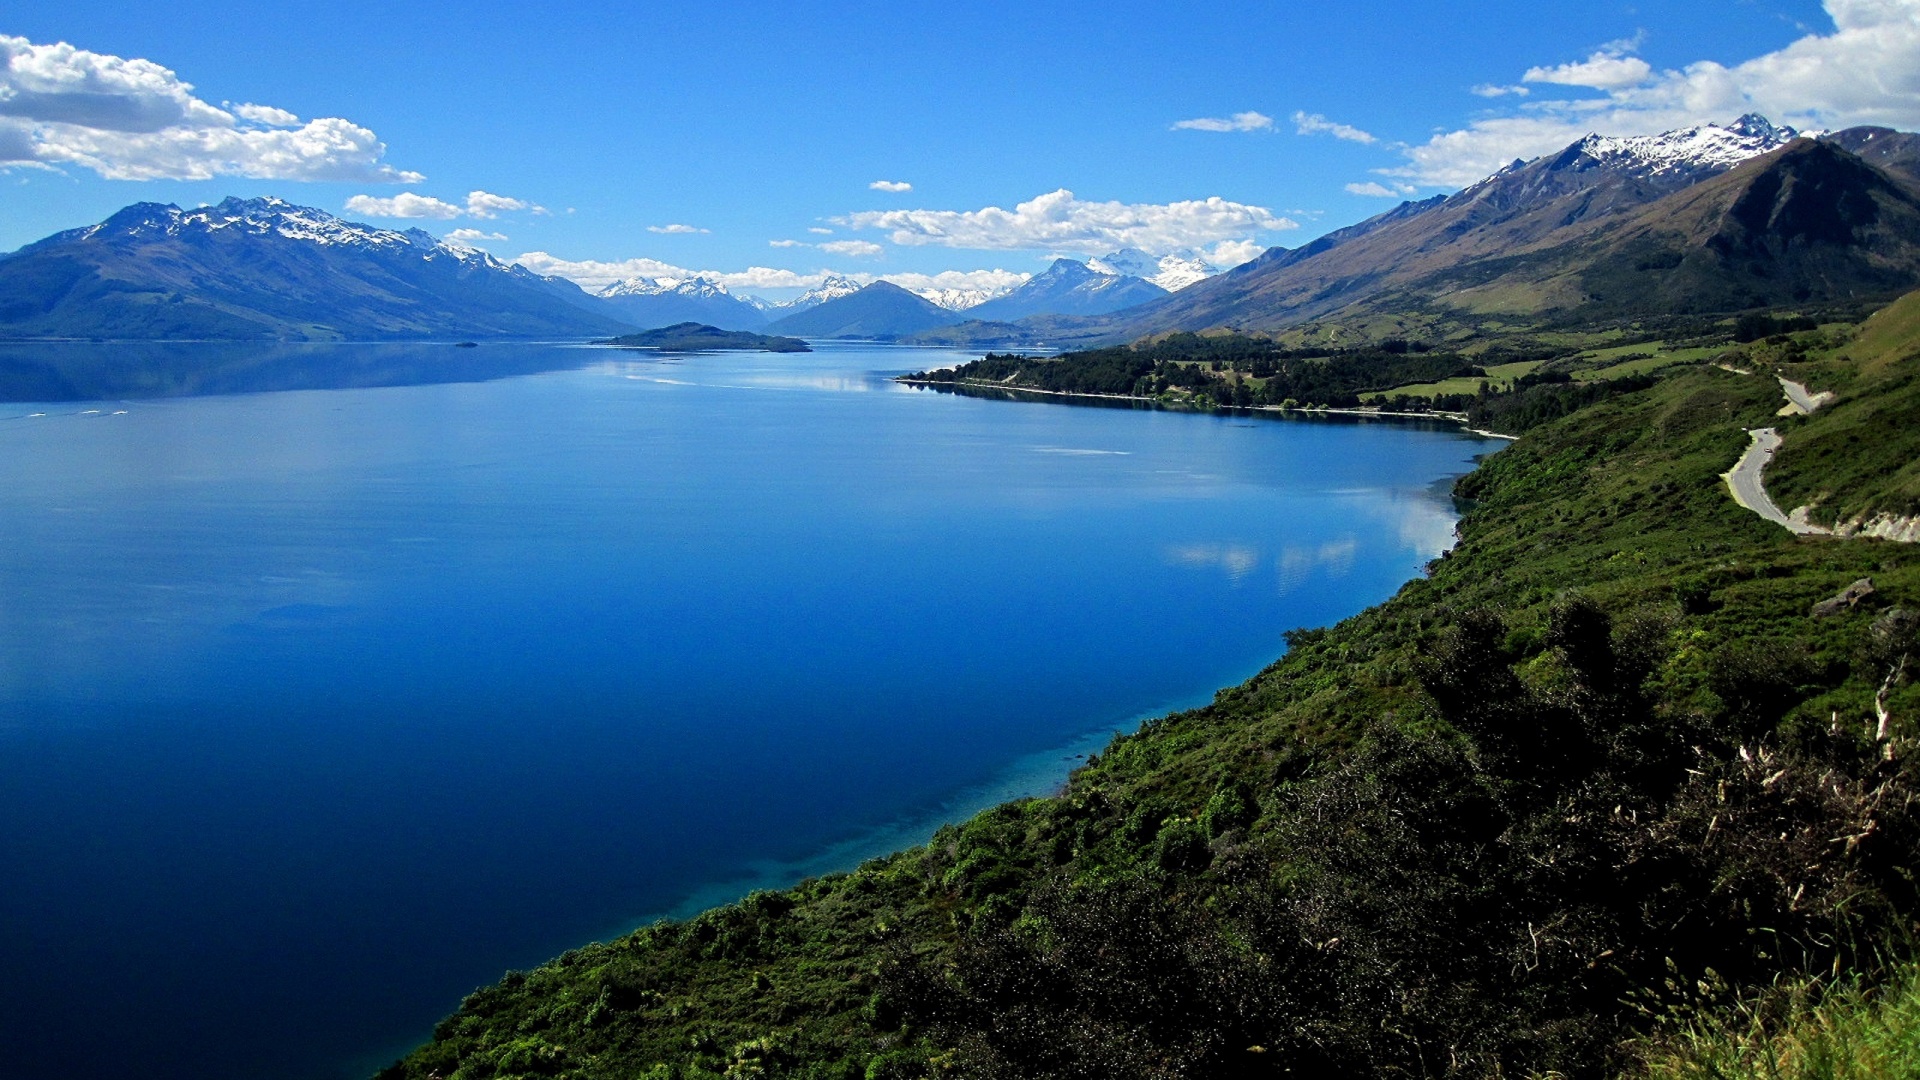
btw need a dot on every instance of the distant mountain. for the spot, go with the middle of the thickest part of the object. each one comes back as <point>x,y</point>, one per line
<point>960,299</point>
<point>882,310</point>
<point>1895,151</point>
<point>264,268</point>
<point>661,301</point>
<point>1068,287</point>
<point>1170,272</point>
<point>833,288</point>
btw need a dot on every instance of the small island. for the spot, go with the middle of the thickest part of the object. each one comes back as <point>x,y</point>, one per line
<point>699,337</point>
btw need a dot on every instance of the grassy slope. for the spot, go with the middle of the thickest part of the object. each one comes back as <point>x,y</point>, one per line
<point>1448,836</point>
<point>1855,458</point>
<point>1802,1031</point>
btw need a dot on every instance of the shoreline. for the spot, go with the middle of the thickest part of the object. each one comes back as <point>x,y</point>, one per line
<point>1322,410</point>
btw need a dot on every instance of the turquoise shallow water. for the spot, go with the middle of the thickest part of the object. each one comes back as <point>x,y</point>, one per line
<point>322,704</point>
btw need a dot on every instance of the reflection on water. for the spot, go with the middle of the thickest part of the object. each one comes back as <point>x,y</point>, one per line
<point>112,371</point>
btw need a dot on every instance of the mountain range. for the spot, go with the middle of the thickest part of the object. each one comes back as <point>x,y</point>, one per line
<point>1710,218</point>
<point>1713,218</point>
<point>264,268</point>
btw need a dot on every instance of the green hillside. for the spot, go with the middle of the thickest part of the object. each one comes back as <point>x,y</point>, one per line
<point>1602,769</point>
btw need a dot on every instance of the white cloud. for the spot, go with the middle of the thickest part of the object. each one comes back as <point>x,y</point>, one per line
<point>1490,90</point>
<point>858,248</point>
<point>1058,221</point>
<point>1380,191</point>
<point>1314,124</point>
<point>480,204</point>
<point>1602,71</point>
<point>404,205</point>
<point>1865,71</point>
<point>788,243</point>
<point>472,236</point>
<point>485,204</point>
<point>1228,254</point>
<point>817,231</point>
<point>1240,121</point>
<point>895,186</point>
<point>265,114</point>
<point>132,119</point>
<point>676,229</point>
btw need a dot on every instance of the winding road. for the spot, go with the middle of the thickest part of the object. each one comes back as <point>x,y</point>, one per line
<point>1744,481</point>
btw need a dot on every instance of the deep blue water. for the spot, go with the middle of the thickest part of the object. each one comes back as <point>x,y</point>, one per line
<point>320,707</point>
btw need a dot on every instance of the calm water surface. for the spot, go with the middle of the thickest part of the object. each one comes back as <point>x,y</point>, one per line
<point>321,706</point>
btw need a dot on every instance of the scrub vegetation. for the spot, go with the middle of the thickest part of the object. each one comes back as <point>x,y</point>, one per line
<point>1601,794</point>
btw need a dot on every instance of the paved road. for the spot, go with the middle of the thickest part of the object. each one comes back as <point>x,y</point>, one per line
<point>1802,400</point>
<point>1744,481</point>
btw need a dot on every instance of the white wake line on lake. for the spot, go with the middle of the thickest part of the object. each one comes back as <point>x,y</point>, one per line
<point>708,385</point>
<point>1078,452</point>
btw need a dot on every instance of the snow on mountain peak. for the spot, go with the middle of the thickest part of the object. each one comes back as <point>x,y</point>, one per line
<point>1704,148</point>
<point>1170,272</point>
<point>259,217</point>
<point>698,285</point>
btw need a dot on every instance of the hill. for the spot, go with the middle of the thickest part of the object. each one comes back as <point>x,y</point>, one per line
<point>263,268</point>
<point>696,337</point>
<point>1607,762</point>
<point>882,311</point>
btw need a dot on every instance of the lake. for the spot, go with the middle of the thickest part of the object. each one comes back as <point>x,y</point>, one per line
<point>337,680</point>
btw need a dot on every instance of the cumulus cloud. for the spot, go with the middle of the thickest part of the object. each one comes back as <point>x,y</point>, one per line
<point>857,248</point>
<point>404,205</point>
<point>485,204</point>
<point>1491,90</point>
<point>1866,70</point>
<point>1305,123</point>
<point>676,229</point>
<point>265,114</point>
<point>1228,254</point>
<point>472,236</point>
<point>132,119</point>
<point>788,243</point>
<point>1240,121</point>
<point>818,231</point>
<point>1604,70</point>
<point>480,204</point>
<point>895,186</point>
<point>1058,221</point>
<point>1373,189</point>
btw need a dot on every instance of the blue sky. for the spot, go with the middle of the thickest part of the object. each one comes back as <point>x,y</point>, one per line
<point>591,132</point>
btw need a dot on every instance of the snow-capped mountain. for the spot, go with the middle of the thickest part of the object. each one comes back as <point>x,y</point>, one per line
<point>1069,287</point>
<point>257,217</point>
<point>267,268</point>
<point>1170,272</point>
<point>697,286</point>
<point>663,301</point>
<point>1685,154</point>
<point>961,299</point>
<point>833,288</point>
